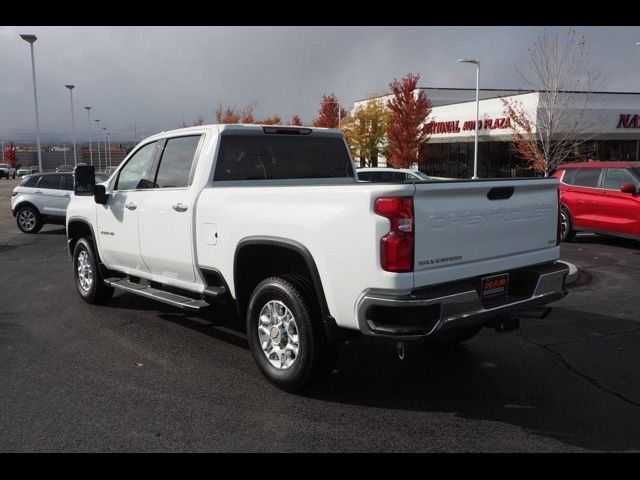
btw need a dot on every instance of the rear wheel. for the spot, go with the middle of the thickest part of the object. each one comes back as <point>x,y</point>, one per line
<point>87,276</point>
<point>286,336</point>
<point>28,219</point>
<point>566,225</point>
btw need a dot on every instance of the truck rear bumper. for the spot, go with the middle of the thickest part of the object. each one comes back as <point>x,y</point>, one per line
<point>426,311</point>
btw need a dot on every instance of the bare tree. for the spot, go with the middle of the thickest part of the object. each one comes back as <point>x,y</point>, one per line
<point>566,84</point>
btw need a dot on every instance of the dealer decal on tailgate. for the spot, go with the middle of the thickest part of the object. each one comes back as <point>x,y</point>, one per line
<point>495,285</point>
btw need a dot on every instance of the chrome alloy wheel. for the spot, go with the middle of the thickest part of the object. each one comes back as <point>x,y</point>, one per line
<point>564,224</point>
<point>278,334</point>
<point>85,271</point>
<point>27,220</point>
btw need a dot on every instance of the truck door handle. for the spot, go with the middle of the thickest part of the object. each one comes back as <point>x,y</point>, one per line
<point>38,191</point>
<point>68,195</point>
<point>180,207</point>
<point>130,205</point>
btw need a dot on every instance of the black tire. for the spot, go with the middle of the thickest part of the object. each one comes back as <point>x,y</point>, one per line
<point>452,338</point>
<point>315,354</point>
<point>28,219</point>
<point>566,230</point>
<point>96,291</point>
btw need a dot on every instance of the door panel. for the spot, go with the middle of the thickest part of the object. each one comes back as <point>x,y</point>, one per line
<point>619,212</point>
<point>48,196</point>
<point>583,198</point>
<point>166,213</point>
<point>118,220</point>
<point>118,230</point>
<point>165,233</point>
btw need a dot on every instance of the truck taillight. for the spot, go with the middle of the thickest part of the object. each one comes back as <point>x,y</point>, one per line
<point>396,247</point>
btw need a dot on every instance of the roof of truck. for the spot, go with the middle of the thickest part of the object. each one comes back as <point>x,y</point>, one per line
<point>248,126</point>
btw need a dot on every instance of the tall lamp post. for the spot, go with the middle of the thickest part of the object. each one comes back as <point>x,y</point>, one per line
<point>475,151</point>
<point>106,154</point>
<point>98,128</point>
<point>32,38</point>
<point>88,109</point>
<point>73,124</point>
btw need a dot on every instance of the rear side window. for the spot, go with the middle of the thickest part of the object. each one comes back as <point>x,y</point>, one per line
<point>175,165</point>
<point>366,176</point>
<point>30,181</point>
<point>587,177</point>
<point>50,181</point>
<point>569,176</point>
<point>275,157</point>
<point>616,177</point>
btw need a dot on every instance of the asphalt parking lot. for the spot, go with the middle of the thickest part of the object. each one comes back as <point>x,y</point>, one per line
<point>140,376</point>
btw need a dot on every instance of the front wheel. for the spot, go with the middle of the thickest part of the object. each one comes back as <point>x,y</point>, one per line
<point>285,334</point>
<point>88,280</point>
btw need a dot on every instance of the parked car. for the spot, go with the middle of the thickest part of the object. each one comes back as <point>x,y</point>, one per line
<point>7,171</point>
<point>273,221</point>
<point>600,197</point>
<point>22,171</point>
<point>64,168</point>
<point>391,175</point>
<point>41,198</point>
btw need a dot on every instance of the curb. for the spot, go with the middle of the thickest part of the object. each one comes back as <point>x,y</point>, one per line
<point>573,272</point>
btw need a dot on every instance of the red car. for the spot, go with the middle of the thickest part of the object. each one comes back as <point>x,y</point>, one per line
<point>600,197</point>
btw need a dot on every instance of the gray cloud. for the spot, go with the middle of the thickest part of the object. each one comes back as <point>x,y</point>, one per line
<point>153,76</point>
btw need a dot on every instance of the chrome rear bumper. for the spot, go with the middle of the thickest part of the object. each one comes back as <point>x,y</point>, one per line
<point>384,314</point>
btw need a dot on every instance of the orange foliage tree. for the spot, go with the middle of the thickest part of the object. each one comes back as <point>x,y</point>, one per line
<point>274,120</point>
<point>10,156</point>
<point>407,128</point>
<point>525,142</point>
<point>296,120</point>
<point>330,112</point>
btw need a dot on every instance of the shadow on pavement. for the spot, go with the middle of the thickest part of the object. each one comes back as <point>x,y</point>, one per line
<point>607,240</point>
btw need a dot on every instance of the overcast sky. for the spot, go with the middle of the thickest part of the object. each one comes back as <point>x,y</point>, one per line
<point>153,76</point>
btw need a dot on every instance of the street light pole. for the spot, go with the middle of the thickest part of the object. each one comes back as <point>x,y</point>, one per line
<point>98,128</point>
<point>73,124</point>
<point>475,151</point>
<point>31,39</point>
<point>106,154</point>
<point>109,144</point>
<point>88,109</point>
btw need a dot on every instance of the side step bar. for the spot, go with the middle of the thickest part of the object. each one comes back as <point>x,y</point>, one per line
<point>174,299</point>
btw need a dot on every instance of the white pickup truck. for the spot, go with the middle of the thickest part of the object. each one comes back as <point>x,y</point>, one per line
<point>7,171</point>
<point>273,220</point>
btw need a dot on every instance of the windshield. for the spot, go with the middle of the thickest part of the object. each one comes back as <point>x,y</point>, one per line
<point>3,165</point>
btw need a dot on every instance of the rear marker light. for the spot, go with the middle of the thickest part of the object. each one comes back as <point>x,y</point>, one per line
<point>397,246</point>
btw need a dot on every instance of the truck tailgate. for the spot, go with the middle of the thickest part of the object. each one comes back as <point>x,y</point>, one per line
<point>471,228</point>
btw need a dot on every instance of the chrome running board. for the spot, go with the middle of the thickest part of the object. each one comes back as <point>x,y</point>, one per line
<point>174,299</point>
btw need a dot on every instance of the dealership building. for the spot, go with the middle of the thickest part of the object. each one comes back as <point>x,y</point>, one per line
<point>610,128</point>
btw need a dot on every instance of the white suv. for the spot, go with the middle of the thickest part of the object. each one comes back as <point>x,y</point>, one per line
<point>40,199</point>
